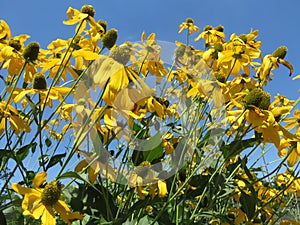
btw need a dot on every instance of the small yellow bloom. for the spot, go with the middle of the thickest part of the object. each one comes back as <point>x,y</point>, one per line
<point>149,209</point>
<point>188,24</point>
<point>44,203</point>
<point>96,166</point>
<point>83,16</point>
<point>39,87</point>
<point>211,35</point>
<point>17,122</point>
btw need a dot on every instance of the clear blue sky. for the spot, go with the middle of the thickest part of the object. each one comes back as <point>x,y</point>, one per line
<point>277,21</point>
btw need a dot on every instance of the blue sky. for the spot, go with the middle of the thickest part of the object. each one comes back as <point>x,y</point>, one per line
<point>277,21</point>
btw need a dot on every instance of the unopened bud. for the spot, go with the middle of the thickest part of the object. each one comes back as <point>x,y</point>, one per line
<point>110,38</point>
<point>31,51</point>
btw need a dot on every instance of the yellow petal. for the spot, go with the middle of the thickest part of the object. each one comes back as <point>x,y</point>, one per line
<point>21,190</point>
<point>296,77</point>
<point>39,179</point>
<point>30,199</point>
<point>36,212</point>
<point>86,54</point>
<point>293,157</point>
<point>65,213</point>
<point>48,217</point>
<point>82,164</point>
<point>162,189</point>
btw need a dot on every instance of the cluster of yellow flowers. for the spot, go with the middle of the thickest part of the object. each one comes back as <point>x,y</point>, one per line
<point>79,64</point>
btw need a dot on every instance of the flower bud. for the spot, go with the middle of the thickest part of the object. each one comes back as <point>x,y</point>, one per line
<point>220,77</point>
<point>280,52</point>
<point>88,9</point>
<point>103,24</point>
<point>39,81</point>
<point>110,38</point>
<point>219,28</point>
<point>189,20</point>
<point>179,52</point>
<point>15,44</point>
<point>31,51</point>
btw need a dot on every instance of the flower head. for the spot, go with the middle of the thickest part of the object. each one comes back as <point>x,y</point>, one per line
<point>188,24</point>
<point>44,203</point>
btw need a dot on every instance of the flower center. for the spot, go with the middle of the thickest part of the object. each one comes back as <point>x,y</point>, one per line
<point>39,81</point>
<point>31,51</point>
<point>121,54</point>
<point>258,98</point>
<point>51,193</point>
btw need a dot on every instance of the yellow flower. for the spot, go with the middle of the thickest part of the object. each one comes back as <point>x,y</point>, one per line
<point>113,75</point>
<point>4,30</point>
<point>211,35</point>
<point>149,209</point>
<point>44,203</point>
<point>293,122</point>
<point>40,87</point>
<point>17,122</point>
<point>236,56</point>
<point>149,57</point>
<point>270,62</point>
<point>95,166</point>
<point>188,24</point>
<point>288,180</point>
<point>263,121</point>
<point>293,152</point>
<point>85,15</point>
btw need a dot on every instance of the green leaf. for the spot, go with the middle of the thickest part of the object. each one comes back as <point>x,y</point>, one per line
<point>236,147</point>
<point>48,142</point>
<point>23,152</point>
<point>70,174</point>
<point>55,159</point>
<point>141,132</point>
<point>154,154</point>
<point>248,203</point>
<point>149,150</point>
<point>5,153</point>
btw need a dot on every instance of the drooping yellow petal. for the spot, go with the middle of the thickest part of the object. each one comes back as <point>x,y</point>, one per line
<point>162,188</point>
<point>48,217</point>
<point>293,157</point>
<point>65,213</point>
<point>81,165</point>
